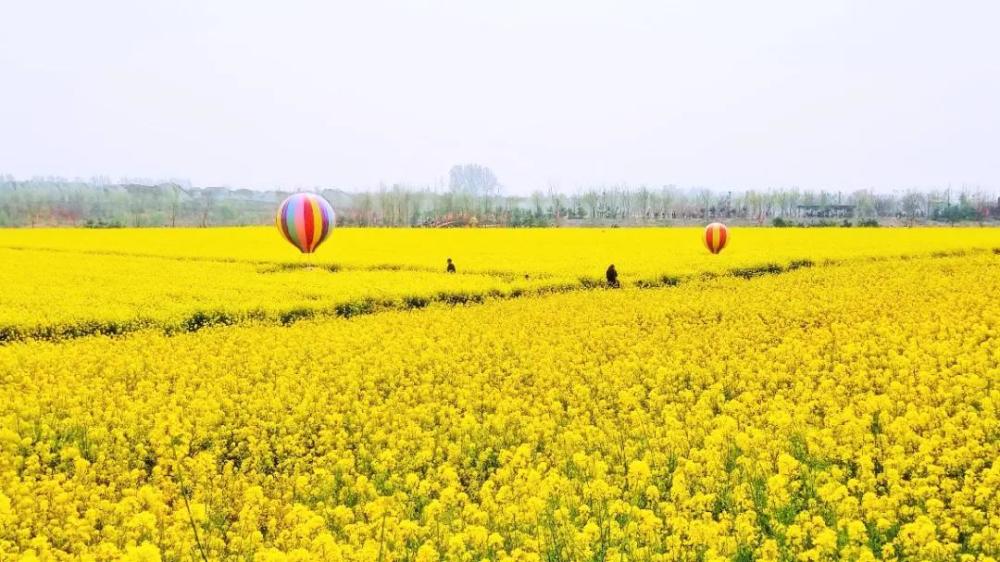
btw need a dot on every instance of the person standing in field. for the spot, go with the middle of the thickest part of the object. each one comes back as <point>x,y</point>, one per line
<point>612,275</point>
<point>451,266</point>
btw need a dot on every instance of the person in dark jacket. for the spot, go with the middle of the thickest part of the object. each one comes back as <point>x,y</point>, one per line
<point>451,266</point>
<point>612,276</point>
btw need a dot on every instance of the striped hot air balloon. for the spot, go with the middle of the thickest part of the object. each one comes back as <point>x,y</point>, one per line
<point>716,236</point>
<point>305,220</point>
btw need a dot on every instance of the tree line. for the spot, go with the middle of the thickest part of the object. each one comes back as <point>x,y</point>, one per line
<point>474,197</point>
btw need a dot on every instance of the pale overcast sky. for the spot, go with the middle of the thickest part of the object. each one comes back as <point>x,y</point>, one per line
<point>725,94</point>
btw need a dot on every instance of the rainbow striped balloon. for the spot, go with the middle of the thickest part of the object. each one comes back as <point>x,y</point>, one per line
<point>305,220</point>
<point>716,236</point>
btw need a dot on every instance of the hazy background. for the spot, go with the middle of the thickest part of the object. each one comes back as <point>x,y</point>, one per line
<point>728,95</point>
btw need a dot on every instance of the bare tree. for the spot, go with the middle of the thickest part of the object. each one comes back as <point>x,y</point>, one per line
<point>207,202</point>
<point>643,202</point>
<point>474,186</point>
<point>912,204</point>
<point>704,198</point>
<point>557,199</point>
<point>668,195</point>
<point>174,197</point>
<point>591,200</point>
<point>537,201</point>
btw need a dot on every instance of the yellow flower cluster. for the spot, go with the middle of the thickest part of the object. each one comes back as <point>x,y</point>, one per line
<point>639,253</point>
<point>848,411</point>
<point>60,282</point>
<point>50,293</point>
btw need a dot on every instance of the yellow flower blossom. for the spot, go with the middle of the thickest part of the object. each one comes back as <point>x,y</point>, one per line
<point>842,411</point>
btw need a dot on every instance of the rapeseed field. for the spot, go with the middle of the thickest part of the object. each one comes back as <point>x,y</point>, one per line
<point>77,282</point>
<point>569,252</point>
<point>844,408</point>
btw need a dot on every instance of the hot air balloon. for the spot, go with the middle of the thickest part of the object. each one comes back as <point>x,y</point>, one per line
<point>305,220</point>
<point>716,236</point>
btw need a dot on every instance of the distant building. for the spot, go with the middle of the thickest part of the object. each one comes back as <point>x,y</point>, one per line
<point>826,211</point>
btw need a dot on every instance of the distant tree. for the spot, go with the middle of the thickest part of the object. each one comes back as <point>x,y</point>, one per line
<point>912,204</point>
<point>643,202</point>
<point>864,202</point>
<point>206,203</point>
<point>173,196</point>
<point>591,200</point>
<point>668,197</point>
<point>472,178</point>
<point>537,204</point>
<point>557,199</point>
<point>366,209</point>
<point>46,201</point>
<point>704,197</point>
<point>474,187</point>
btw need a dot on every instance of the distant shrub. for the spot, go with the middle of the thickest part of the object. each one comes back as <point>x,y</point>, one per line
<point>101,223</point>
<point>201,319</point>
<point>291,316</point>
<point>661,281</point>
<point>459,298</point>
<point>799,264</point>
<point>349,309</point>
<point>669,280</point>
<point>9,333</point>
<point>416,302</point>
<point>756,271</point>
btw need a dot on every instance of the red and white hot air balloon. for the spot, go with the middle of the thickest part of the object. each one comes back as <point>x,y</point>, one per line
<point>716,236</point>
